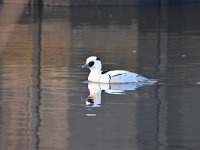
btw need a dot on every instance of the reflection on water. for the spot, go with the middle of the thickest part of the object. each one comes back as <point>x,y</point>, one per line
<point>41,89</point>
<point>95,89</point>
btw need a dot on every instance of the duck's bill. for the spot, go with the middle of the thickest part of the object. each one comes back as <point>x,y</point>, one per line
<point>85,66</point>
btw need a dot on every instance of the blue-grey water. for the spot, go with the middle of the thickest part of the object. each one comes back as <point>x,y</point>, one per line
<point>43,92</point>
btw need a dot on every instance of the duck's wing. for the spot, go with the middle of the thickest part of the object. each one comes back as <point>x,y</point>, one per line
<point>104,71</point>
<point>122,76</point>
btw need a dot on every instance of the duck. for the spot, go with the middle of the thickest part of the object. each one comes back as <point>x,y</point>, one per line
<point>116,76</point>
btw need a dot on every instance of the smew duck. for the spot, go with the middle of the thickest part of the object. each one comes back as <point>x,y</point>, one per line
<point>115,76</point>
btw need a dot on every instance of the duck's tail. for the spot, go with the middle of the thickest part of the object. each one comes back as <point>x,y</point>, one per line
<point>151,81</point>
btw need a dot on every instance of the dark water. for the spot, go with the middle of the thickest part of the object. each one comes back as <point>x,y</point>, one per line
<point>42,93</point>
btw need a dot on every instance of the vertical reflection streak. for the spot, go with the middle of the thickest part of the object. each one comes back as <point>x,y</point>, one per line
<point>35,99</point>
<point>160,91</point>
<point>158,69</point>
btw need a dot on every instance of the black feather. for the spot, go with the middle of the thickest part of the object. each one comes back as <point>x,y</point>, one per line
<point>98,59</point>
<point>104,71</point>
<point>117,75</point>
<point>90,64</point>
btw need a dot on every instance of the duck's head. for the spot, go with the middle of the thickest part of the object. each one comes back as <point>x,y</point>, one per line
<point>93,63</point>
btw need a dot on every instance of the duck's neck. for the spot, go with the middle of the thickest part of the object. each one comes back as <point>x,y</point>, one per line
<point>94,75</point>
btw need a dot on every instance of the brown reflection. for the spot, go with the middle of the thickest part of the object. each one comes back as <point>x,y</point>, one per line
<point>8,20</point>
<point>33,105</point>
<point>55,57</point>
<point>14,78</point>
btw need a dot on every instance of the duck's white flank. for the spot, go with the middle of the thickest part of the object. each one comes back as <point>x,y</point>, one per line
<point>115,76</point>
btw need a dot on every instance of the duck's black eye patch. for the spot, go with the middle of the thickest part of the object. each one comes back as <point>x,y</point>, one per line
<point>91,64</point>
<point>98,59</point>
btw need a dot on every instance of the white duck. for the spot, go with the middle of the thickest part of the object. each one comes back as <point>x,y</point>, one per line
<point>115,76</point>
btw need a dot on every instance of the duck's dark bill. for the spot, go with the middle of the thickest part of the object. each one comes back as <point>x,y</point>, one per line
<point>85,66</point>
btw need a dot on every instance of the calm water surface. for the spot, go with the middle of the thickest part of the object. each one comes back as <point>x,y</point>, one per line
<point>42,90</point>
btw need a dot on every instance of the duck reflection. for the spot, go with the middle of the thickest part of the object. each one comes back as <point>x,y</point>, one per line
<point>95,89</point>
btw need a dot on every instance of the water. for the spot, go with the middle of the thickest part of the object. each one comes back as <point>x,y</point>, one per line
<point>42,90</point>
